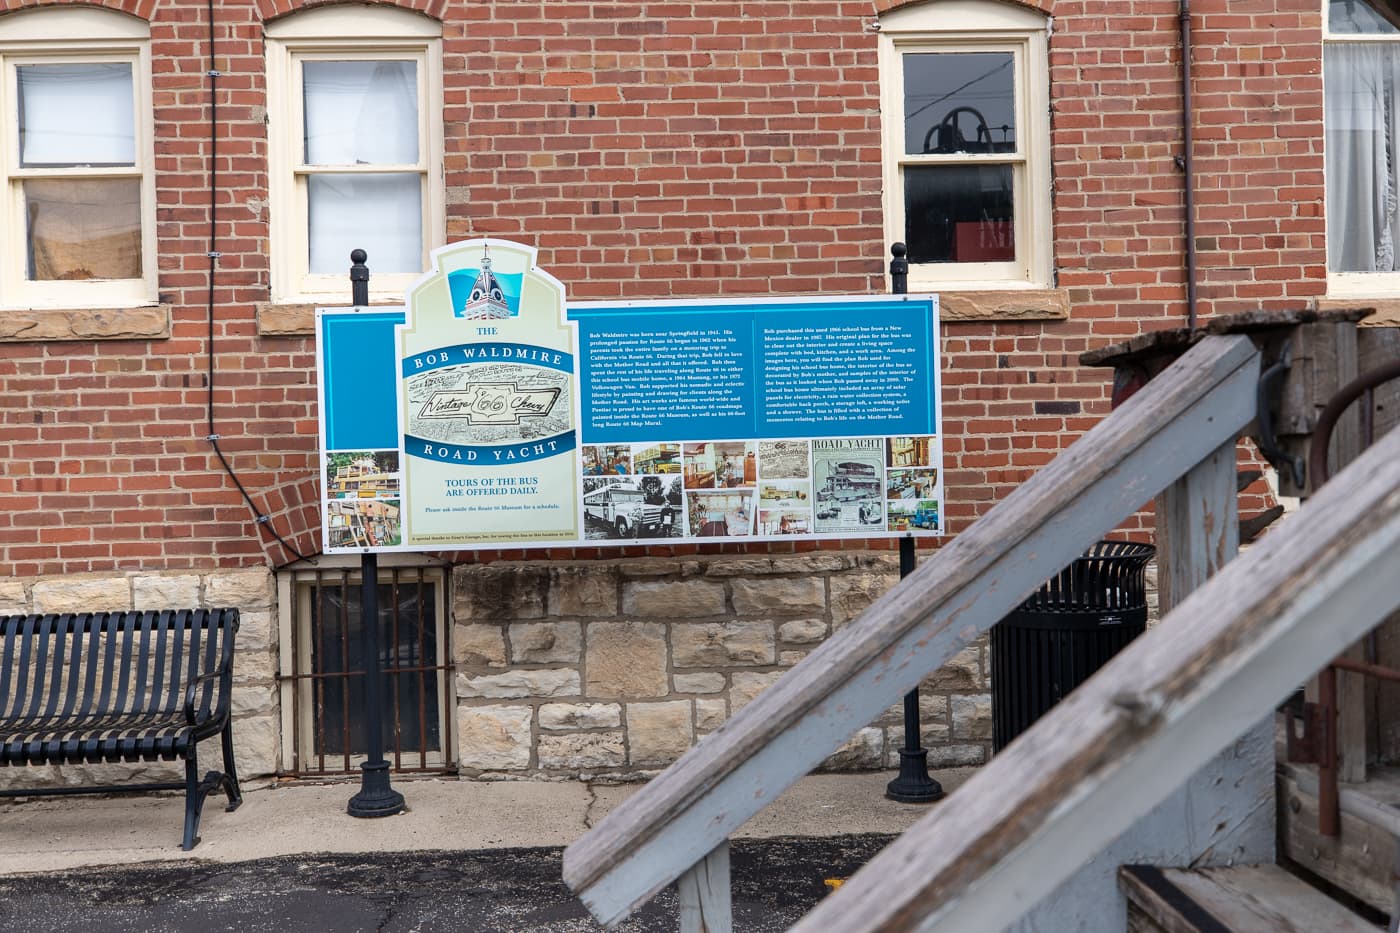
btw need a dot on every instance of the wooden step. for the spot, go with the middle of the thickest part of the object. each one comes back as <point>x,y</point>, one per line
<point>1239,899</point>
<point>1359,860</point>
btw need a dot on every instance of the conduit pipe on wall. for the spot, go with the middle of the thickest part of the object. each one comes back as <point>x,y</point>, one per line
<point>260,519</point>
<point>1187,164</point>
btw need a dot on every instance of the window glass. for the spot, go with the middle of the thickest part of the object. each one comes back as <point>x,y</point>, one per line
<point>959,102</point>
<point>1357,16</point>
<point>406,642</point>
<point>1362,94</point>
<point>959,213</point>
<point>78,185</point>
<point>82,228</point>
<point>381,214</point>
<point>76,115</point>
<point>354,148</point>
<point>360,112</point>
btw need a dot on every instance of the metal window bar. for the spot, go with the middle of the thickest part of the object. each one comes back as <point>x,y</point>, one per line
<point>418,673</point>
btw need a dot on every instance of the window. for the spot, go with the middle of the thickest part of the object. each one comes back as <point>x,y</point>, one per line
<point>78,192</point>
<point>355,134</point>
<point>323,662</point>
<point>1361,79</point>
<point>965,89</point>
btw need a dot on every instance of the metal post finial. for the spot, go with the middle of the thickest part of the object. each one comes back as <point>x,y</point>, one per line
<point>899,269</point>
<point>359,278</point>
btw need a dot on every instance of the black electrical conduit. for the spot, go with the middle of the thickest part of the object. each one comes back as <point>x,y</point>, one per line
<point>1188,165</point>
<point>261,519</point>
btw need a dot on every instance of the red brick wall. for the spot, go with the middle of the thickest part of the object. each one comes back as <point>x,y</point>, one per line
<point>651,150</point>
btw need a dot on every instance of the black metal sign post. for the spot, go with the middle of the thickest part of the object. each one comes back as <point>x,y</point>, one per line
<point>913,784</point>
<point>376,797</point>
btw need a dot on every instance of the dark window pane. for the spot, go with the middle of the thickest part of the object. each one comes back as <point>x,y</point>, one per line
<point>959,213</point>
<point>1357,16</point>
<point>410,695</point>
<point>959,102</point>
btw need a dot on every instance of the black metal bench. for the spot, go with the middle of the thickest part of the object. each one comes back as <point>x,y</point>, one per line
<point>119,686</point>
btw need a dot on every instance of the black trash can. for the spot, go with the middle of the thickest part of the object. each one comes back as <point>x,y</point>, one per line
<point>1064,632</point>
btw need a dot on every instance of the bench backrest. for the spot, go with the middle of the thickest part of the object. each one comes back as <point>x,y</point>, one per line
<point>102,664</point>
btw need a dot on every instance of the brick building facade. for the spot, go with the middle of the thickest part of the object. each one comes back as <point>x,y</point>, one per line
<point>648,150</point>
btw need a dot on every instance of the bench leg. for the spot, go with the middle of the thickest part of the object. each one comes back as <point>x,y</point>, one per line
<point>230,775</point>
<point>194,800</point>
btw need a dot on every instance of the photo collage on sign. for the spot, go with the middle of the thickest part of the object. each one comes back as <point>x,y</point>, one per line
<point>736,489</point>
<point>362,490</point>
<point>912,484</point>
<point>632,491</point>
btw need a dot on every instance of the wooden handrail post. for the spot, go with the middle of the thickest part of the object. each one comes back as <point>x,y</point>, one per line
<point>1200,402</point>
<point>1151,717</point>
<point>1197,527</point>
<point>706,902</point>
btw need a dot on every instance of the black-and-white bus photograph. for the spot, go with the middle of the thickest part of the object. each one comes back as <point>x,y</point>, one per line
<point>617,507</point>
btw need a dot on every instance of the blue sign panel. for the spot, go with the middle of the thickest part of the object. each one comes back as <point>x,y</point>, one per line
<point>696,420</point>
<point>358,390</point>
<point>772,369</point>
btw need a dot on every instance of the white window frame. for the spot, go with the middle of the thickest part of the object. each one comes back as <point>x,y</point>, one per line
<point>975,26</point>
<point>74,35</point>
<point>345,33</point>
<point>1354,284</point>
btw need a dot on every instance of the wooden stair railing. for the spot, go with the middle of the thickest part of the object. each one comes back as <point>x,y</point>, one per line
<point>681,821</point>
<point>1221,660</point>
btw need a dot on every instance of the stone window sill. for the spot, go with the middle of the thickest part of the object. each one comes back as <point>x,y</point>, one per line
<point>1387,309</point>
<point>35,325</point>
<point>1037,304</point>
<point>299,320</point>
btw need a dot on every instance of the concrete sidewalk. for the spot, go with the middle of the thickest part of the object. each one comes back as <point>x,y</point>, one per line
<point>54,834</point>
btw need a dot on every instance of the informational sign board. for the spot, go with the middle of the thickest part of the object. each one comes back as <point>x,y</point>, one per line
<point>490,414</point>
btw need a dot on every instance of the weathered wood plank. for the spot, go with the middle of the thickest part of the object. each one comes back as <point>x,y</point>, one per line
<point>1145,722</point>
<point>1156,905</point>
<point>1377,346</point>
<point>1200,402</point>
<point>1352,688</point>
<point>704,892</point>
<point>1197,526</point>
<point>1237,899</point>
<point>1224,813</point>
<point>1357,860</point>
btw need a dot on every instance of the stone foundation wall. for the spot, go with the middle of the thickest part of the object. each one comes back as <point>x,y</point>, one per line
<point>573,669</point>
<point>612,669</point>
<point>256,714</point>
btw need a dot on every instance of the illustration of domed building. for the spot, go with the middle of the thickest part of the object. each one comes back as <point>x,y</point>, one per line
<point>486,299</point>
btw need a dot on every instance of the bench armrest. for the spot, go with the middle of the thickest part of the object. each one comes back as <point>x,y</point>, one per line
<point>193,686</point>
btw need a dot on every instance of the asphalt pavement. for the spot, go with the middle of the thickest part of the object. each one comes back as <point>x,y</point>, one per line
<point>470,857</point>
<point>774,882</point>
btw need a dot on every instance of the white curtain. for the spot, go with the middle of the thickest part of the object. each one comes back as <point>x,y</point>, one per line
<point>1362,81</point>
<point>363,113</point>
<point>76,115</point>
<point>381,214</point>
